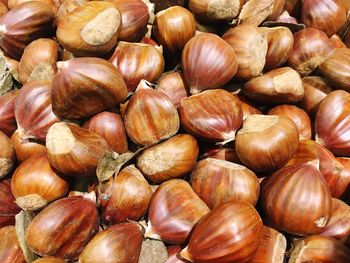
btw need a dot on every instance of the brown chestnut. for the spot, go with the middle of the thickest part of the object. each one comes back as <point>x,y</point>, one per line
<point>7,155</point>
<point>208,62</point>
<point>266,143</point>
<point>74,219</point>
<point>8,123</point>
<point>10,250</point>
<point>170,159</point>
<point>8,207</point>
<point>83,87</point>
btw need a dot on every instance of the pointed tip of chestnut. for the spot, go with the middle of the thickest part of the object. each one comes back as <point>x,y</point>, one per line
<point>185,254</point>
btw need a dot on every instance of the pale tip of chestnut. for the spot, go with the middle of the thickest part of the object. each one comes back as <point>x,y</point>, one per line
<point>31,202</point>
<point>315,163</point>
<point>3,29</point>
<point>66,142</point>
<point>321,222</point>
<point>149,233</point>
<point>62,64</point>
<point>185,254</point>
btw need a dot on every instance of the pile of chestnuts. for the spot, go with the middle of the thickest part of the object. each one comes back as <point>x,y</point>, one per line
<point>163,131</point>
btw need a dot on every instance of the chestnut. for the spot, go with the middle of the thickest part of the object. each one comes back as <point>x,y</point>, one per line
<point>7,155</point>
<point>137,61</point>
<point>280,42</point>
<point>68,6</point>
<point>135,15</point>
<point>216,10</point>
<point>279,86</point>
<point>250,46</point>
<point>173,84</point>
<point>3,9</point>
<point>111,127</point>
<point>150,116</point>
<point>311,47</point>
<point>52,3</point>
<point>173,28</point>
<point>33,110</point>
<point>8,207</point>
<point>266,143</point>
<point>330,167</point>
<point>336,42</point>
<point>8,123</point>
<point>173,211</point>
<point>10,250</point>
<point>219,181</point>
<point>315,90</point>
<point>254,12</point>
<point>296,199</point>
<point>23,24</point>
<point>35,183</point>
<point>91,29</point>
<point>25,150</point>
<point>117,244</point>
<point>170,159</point>
<point>326,15</point>
<point>130,195</point>
<point>38,61</point>
<point>227,154</point>
<point>336,68</point>
<point>74,219</point>
<point>208,62</point>
<point>49,260</point>
<point>271,248</point>
<point>300,118</point>
<point>338,226</point>
<point>83,87</point>
<point>75,151</point>
<point>332,123</point>
<point>343,183</point>
<point>212,115</point>
<point>229,233</point>
<point>248,108</point>
<point>319,249</point>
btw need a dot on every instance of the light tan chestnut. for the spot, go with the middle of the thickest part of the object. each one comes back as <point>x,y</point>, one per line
<point>52,3</point>
<point>173,211</point>
<point>137,61</point>
<point>250,46</point>
<point>26,149</point>
<point>266,143</point>
<point>216,10</point>
<point>49,260</point>
<point>35,183</point>
<point>319,249</point>
<point>150,116</point>
<point>338,226</point>
<point>117,244</point>
<point>7,155</point>
<point>170,159</point>
<point>91,29</point>
<point>280,42</point>
<point>3,9</point>
<point>23,24</point>
<point>254,12</point>
<point>300,118</point>
<point>128,197</point>
<point>208,62</point>
<point>173,84</point>
<point>73,150</point>
<point>83,87</point>
<point>336,69</point>
<point>271,248</point>
<point>279,86</point>
<point>315,90</point>
<point>212,115</point>
<point>135,16</point>
<point>38,61</point>
<point>219,181</point>
<point>173,28</point>
<point>311,47</point>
